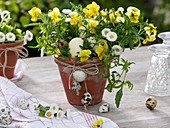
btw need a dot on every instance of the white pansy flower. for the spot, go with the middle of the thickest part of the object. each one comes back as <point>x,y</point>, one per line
<point>82,32</point>
<point>111,36</point>
<point>5,15</point>
<point>54,108</point>
<point>42,52</point>
<point>2,37</point>
<point>120,19</point>
<point>49,114</point>
<point>60,114</point>
<point>25,40</point>
<point>68,19</point>
<point>117,49</point>
<point>92,41</point>
<point>56,10</point>
<point>10,36</point>
<point>82,28</point>
<point>68,114</point>
<point>121,9</point>
<point>105,31</point>
<point>74,14</point>
<point>66,11</point>
<point>29,35</point>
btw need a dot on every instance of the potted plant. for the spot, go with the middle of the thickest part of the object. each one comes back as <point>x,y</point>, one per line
<point>87,44</point>
<point>11,45</point>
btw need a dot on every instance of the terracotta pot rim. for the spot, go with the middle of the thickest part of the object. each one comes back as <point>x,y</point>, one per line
<point>72,60</point>
<point>12,44</point>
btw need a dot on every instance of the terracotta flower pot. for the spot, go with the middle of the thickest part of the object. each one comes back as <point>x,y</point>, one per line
<point>95,83</point>
<point>11,59</point>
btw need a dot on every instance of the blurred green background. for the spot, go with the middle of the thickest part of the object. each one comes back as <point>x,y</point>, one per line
<point>158,11</point>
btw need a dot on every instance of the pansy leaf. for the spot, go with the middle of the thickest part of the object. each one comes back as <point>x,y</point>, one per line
<point>118,97</point>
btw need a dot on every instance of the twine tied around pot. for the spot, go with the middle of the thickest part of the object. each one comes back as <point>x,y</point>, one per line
<point>17,50</point>
<point>90,69</point>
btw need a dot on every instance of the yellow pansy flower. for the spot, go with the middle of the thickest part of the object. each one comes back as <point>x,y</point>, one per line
<point>100,50</point>
<point>151,38</point>
<point>57,53</point>
<point>19,31</point>
<point>76,20</point>
<point>112,16</point>
<point>133,10</point>
<point>73,15</point>
<point>98,122</point>
<point>84,55</point>
<point>134,20</point>
<point>94,8</point>
<point>54,15</point>
<point>79,21</point>
<point>92,24</point>
<point>133,14</point>
<point>119,12</point>
<point>34,12</point>
<point>104,12</point>
<point>87,13</point>
<point>151,29</point>
<point>73,22</point>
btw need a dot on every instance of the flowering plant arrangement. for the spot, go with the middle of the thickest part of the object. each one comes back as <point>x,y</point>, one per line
<point>52,111</point>
<point>11,34</point>
<point>85,33</point>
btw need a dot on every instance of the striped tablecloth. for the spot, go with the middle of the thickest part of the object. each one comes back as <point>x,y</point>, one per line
<point>10,94</point>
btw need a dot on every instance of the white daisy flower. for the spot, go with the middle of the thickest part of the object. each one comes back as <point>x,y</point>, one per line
<point>42,52</point>
<point>66,11</point>
<point>54,107</point>
<point>111,36</point>
<point>5,15</point>
<point>10,36</point>
<point>2,37</point>
<point>68,114</point>
<point>117,49</point>
<point>25,40</point>
<point>105,31</point>
<point>120,19</point>
<point>49,114</point>
<point>68,19</point>
<point>29,35</point>
<point>60,114</point>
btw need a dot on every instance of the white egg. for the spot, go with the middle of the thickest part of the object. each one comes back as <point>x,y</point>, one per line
<point>79,76</point>
<point>74,46</point>
<point>23,104</point>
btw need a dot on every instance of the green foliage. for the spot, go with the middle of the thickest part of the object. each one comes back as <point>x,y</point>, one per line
<point>20,8</point>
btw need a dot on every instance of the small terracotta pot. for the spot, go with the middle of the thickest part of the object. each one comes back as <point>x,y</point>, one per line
<point>11,59</point>
<point>95,83</point>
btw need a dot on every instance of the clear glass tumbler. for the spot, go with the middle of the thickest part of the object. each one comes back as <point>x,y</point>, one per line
<point>158,78</point>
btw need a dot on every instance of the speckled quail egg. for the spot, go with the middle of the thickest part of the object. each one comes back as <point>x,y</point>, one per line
<point>23,104</point>
<point>86,99</point>
<point>104,108</point>
<point>79,76</point>
<point>5,119</point>
<point>5,110</point>
<point>76,86</point>
<point>151,103</point>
